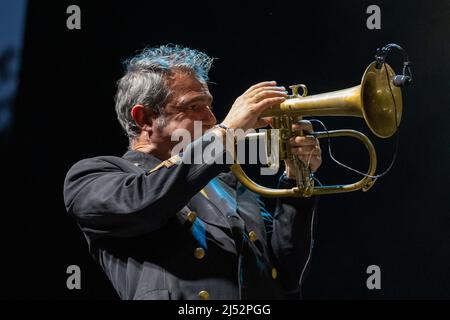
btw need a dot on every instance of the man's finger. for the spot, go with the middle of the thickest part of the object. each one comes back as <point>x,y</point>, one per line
<point>268,120</point>
<point>261,84</point>
<point>266,88</point>
<point>306,151</point>
<point>303,125</point>
<point>268,94</point>
<point>299,141</point>
<point>314,161</point>
<point>269,102</point>
<point>263,122</point>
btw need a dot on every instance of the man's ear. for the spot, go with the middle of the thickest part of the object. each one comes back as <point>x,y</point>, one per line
<point>141,117</point>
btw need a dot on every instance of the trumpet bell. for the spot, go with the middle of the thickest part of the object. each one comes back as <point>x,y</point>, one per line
<point>381,101</point>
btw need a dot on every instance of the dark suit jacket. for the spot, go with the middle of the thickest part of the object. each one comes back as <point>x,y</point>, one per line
<point>158,237</point>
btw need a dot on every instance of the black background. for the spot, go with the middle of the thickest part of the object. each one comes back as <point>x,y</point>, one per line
<point>65,112</point>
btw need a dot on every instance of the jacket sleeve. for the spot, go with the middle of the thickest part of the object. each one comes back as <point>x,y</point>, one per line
<point>291,237</point>
<point>111,198</point>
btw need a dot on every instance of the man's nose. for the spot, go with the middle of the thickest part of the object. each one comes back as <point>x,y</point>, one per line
<point>208,118</point>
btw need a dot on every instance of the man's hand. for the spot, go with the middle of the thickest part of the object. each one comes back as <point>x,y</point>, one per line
<point>307,148</point>
<point>248,107</point>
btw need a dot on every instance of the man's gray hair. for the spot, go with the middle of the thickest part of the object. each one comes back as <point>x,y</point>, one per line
<point>145,80</point>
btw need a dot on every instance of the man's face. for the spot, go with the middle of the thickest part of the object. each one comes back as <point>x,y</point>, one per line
<point>190,101</point>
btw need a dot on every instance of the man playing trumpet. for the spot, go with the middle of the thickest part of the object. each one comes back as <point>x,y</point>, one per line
<point>164,229</point>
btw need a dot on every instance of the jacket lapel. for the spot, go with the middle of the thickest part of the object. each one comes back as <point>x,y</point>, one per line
<point>209,209</point>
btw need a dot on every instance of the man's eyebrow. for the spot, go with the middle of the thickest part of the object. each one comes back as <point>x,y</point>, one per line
<point>208,98</point>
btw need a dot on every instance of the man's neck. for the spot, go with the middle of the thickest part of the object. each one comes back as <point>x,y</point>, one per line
<point>150,148</point>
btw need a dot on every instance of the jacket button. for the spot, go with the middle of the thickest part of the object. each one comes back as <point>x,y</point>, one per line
<point>191,216</point>
<point>274,273</point>
<point>203,295</point>
<point>252,236</point>
<point>199,253</point>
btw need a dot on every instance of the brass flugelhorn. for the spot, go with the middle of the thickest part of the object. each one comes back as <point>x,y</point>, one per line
<point>376,99</point>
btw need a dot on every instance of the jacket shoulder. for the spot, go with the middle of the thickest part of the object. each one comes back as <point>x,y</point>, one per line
<point>103,163</point>
<point>85,171</point>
